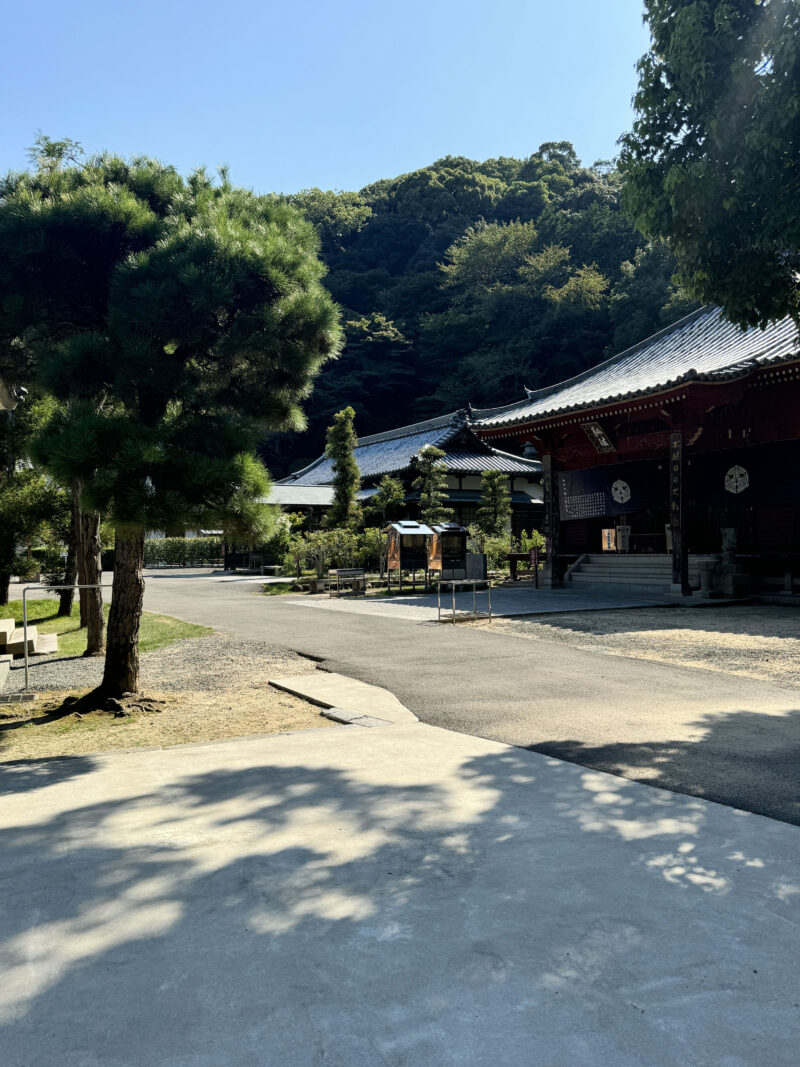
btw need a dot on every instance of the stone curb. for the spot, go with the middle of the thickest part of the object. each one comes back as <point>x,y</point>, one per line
<point>347,700</point>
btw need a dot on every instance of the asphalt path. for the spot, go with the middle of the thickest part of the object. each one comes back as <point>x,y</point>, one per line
<point>726,738</point>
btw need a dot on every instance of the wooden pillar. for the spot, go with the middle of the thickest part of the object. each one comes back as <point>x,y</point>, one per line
<point>551,575</point>
<point>677,514</point>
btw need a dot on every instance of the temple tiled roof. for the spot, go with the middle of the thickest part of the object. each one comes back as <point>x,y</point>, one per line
<point>396,450</point>
<point>307,496</point>
<point>701,347</point>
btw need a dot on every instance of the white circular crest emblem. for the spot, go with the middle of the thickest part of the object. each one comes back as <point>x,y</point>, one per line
<point>621,491</point>
<point>737,480</point>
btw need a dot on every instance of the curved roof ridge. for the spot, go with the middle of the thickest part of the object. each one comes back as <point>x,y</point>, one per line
<point>455,419</point>
<point>701,345</point>
<point>548,390</point>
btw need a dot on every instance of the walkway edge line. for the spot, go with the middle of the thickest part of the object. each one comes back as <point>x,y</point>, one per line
<point>352,701</point>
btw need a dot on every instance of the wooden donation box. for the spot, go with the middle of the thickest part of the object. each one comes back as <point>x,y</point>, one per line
<point>408,546</point>
<point>447,551</point>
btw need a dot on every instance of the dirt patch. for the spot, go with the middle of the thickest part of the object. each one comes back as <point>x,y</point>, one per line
<point>28,731</point>
<point>753,641</point>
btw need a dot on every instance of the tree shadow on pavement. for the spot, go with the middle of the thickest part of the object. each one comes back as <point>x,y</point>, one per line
<point>267,911</point>
<point>744,759</point>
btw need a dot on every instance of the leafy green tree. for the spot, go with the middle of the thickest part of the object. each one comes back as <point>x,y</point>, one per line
<point>340,448</point>
<point>246,518</point>
<point>374,549</point>
<point>29,500</point>
<point>644,298</point>
<point>713,160</point>
<point>337,215</point>
<point>178,319</point>
<point>495,511</point>
<point>432,484</point>
<point>388,503</point>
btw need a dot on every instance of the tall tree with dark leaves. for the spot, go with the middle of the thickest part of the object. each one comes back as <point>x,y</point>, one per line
<point>340,448</point>
<point>178,319</point>
<point>432,484</point>
<point>495,511</point>
<point>713,160</point>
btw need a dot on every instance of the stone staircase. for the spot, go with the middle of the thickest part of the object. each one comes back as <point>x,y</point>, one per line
<point>641,574</point>
<point>12,643</point>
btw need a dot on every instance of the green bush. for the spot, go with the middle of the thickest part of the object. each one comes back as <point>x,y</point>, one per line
<point>182,551</point>
<point>529,541</point>
<point>495,547</point>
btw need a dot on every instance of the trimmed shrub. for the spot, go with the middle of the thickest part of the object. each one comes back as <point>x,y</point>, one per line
<point>182,551</point>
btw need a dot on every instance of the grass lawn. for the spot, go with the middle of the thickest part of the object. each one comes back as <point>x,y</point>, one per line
<point>156,631</point>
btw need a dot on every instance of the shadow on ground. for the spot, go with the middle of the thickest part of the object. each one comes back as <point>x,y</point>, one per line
<point>744,759</point>
<point>306,914</point>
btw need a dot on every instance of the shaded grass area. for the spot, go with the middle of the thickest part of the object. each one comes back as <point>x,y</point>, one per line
<point>156,631</point>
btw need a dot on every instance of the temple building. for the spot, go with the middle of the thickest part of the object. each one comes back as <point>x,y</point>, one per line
<point>396,451</point>
<point>683,448</point>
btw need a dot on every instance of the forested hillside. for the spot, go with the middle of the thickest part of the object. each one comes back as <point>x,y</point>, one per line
<point>465,281</point>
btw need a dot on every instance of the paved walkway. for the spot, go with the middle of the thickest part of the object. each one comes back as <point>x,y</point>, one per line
<point>395,895</point>
<point>731,739</point>
<point>505,602</point>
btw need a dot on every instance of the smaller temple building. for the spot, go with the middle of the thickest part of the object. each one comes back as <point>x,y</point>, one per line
<point>395,452</point>
<point>685,445</point>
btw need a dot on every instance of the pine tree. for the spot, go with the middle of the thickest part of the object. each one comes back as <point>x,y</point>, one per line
<point>432,484</point>
<point>495,509</point>
<point>28,499</point>
<point>387,503</point>
<point>340,448</point>
<point>178,320</point>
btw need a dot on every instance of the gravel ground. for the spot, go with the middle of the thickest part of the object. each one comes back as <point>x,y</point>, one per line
<point>206,688</point>
<point>756,642</point>
<point>213,663</point>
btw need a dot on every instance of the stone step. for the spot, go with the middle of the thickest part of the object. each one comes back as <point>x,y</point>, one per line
<point>612,585</point>
<point>612,568</point>
<point>7,627</point>
<point>611,579</point>
<point>16,643</point>
<point>46,644</point>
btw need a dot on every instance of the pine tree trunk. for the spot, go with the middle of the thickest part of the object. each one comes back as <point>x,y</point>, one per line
<point>127,594</point>
<point>92,573</point>
<point>67,596</point>
<point>5,582</point>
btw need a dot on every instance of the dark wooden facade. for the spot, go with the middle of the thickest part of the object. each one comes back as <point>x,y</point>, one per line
<point>677,466</point>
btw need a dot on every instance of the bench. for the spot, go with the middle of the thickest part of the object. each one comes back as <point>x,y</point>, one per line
<point>347,580</point>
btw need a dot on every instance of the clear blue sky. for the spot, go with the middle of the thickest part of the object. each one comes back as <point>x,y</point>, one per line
<point>334,93</point>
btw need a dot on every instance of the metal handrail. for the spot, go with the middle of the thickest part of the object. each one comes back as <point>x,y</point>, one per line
<point>42,585</point>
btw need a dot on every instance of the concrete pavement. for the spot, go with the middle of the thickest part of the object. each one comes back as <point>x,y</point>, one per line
<point>727,738</point>
<point>397,895</point>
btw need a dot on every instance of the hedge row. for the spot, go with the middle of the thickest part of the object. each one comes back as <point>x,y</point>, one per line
<point>182,551</point>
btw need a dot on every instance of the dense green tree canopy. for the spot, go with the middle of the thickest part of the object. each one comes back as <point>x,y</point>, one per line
<point>465,281</point>
<point>178,319</point>
<point>713,160</point>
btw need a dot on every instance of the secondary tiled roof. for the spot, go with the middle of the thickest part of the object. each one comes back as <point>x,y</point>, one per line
<point>701,347</point>
<point>396,450</point>
<point>307,496</point>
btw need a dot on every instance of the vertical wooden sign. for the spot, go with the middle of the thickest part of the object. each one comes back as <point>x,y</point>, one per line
<point>677,479</point>
<point>552,519</point>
